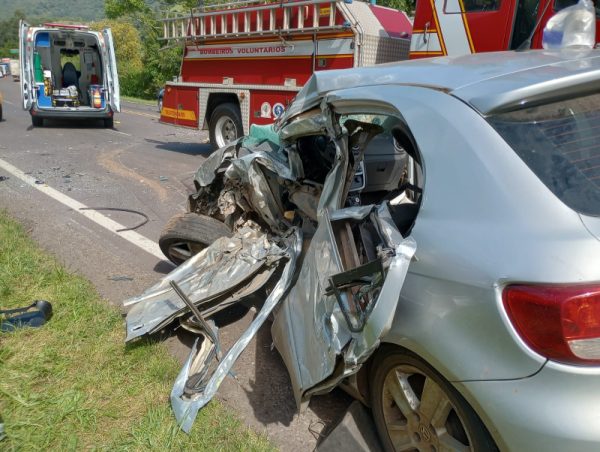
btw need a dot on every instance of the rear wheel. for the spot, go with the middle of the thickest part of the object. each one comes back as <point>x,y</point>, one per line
<point>415,408</point>
<point>36,121</point>
<point>225,125</point>
<point>188,234</point>
<point>109,123</point>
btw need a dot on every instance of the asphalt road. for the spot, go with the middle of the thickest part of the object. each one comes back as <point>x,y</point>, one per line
<point>148,167</point>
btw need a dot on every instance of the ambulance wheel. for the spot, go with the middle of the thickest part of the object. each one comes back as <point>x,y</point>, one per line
<point>189,233</point>
<point>109,123</point>
<point>225,125</point>
<point>36,121</point>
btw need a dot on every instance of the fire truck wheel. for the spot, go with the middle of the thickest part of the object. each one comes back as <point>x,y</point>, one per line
<point>225,125</point>
<point>36,121</point>
<point>189,233</point>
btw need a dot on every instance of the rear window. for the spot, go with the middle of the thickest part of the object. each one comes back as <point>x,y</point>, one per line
<point>560,142</point>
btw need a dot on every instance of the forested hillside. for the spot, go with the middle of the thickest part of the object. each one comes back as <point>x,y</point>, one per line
<point>87,10</point>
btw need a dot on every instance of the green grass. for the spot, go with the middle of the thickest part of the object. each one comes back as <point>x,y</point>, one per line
<point>73,384</point>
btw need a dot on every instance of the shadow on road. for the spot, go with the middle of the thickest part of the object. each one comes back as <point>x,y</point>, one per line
<point>270,393</point>
<point>71,123</point>
<point>164,267</point>
<point>181,147</point>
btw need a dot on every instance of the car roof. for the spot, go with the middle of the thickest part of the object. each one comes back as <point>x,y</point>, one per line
<point>489,82</point>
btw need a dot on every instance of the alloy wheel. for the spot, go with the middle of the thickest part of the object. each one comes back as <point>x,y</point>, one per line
<point>418,414</point>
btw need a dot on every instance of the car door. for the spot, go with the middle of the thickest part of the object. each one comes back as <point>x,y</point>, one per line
<point>26,76</point>
<point>111,72</point>
<point>348,286</point>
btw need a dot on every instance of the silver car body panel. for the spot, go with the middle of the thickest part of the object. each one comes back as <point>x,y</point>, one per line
<point>186,407</point>
<point>477,230</point>
<point>555,410</point>
<point>222,267</point>
<point>592,224</point>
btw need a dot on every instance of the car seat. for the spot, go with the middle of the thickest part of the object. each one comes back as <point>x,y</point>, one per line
<point>69,75</point>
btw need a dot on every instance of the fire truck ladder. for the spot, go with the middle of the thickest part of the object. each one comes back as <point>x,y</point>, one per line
<point>248,18</point>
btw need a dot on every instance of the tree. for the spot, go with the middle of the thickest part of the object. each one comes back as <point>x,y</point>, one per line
<point>128,44</point>
<point>408,6</point>
<point>9,33</point>
<point>119,8</point>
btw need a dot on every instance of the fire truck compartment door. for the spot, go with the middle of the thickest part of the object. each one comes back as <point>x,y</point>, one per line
<point>484,24</point>
<point>111,72</point>
<point>25,63</point>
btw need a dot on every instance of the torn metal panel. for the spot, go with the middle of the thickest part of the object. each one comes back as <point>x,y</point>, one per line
<point>228,266</point>
<point>208,170</point>
<point>303,331</point>
<point>313,122</point>
<point>318,343</point>
<point>186,405</point>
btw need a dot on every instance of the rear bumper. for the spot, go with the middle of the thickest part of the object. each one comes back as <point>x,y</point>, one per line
<point>557,409</point>
<point>71,113</point>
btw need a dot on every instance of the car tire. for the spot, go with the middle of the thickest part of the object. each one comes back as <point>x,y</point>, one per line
<point>225,125</point>
<point>189,233</point>
<point>109,123</point>
<point>445,421</point>
<point>36,121</point>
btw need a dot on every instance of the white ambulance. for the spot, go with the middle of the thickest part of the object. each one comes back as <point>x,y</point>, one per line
<point>68,71</point>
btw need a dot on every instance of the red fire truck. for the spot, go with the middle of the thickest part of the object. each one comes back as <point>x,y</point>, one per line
<point>244,62</point>
<point>456,27</point>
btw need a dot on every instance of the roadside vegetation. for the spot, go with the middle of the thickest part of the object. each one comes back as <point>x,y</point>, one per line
<point>73,384</point>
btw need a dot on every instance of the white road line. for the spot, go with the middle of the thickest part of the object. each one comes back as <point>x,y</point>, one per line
<point>102,220</point>
<point>116,131</point>
<point>9,103</point>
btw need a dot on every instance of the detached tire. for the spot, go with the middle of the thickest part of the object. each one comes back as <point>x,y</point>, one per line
<point>225,125</point>
<point>189,233</point>
<point>415,408</point>
<point>36,121</point>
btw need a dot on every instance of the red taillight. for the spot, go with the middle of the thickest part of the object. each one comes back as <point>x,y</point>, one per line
<point>561,323</point>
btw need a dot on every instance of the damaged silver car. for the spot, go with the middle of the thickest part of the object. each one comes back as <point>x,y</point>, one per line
<point>264,200</point>
<point>396,223</point>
